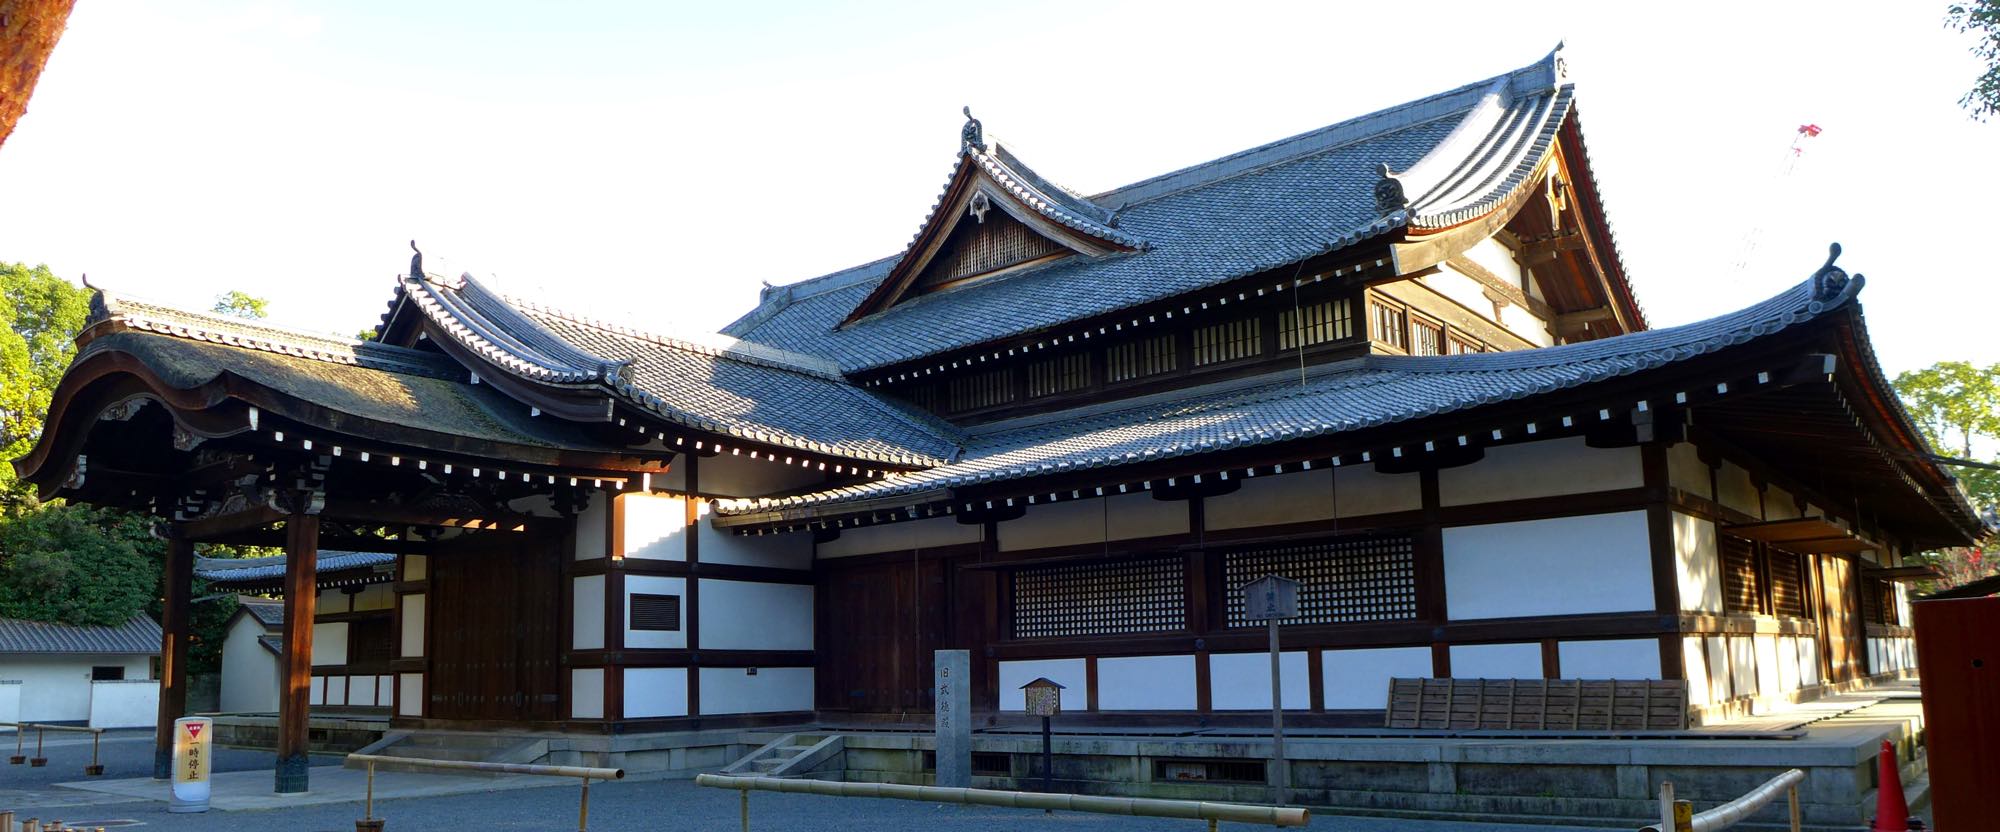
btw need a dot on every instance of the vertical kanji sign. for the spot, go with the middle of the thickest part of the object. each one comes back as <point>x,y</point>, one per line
<point>194,738</point>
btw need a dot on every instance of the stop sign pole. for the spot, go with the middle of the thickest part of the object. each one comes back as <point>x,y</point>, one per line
<point>1271,599</point>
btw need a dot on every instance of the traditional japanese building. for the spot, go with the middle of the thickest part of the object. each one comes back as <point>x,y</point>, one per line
<point>1397,358</point>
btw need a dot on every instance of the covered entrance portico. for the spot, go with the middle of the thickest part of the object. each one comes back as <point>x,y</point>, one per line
<point>246,435</point>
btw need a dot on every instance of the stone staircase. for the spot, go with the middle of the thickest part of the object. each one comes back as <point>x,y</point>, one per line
<point>454,745</point>
<point>792,755</point>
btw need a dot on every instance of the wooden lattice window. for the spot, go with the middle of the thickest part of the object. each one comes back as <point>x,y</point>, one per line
<point>371,642</point>
<point>1361,578</point>
<point>1138,359</point>
<point>1878,602</point>
<point>976,248</point>
<point>982,390</point>
<point>925,396</point>
<point>1133,596</point>
<point>1456,344</point>
<point>1426,338</point>
<point>1228,341</point>
<point>656,612</point>
<point>1739,576</point>
<point>1318,323</point>
<point>1787,584</point>
<point>1389,324</point>
<point>1059,375</point>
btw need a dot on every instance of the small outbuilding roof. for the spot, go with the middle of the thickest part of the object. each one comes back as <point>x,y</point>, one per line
<point>141,635</point>
<point>229,573</point>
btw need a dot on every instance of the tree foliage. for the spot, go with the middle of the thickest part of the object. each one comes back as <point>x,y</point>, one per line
<point>1980,18</point>
<point>42,315</point>
<point>76,564</point>
<point>1957,406</point>
<point>241,305</point>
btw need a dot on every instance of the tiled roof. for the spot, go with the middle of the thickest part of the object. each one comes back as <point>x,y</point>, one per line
<point>1458,152</point>
<point>1047,198</point>
<point>227,571</point>
<point>271,614</point>
<point>1333,398</point>
<point>708,382</point>
<point>139,635</point>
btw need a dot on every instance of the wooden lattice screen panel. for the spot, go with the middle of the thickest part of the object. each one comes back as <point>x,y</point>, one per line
<point>1134,596</point>
<point>1739,575</point>
<point>1538,704</point>
<point>1787,584</point>
<point>1371,578</point>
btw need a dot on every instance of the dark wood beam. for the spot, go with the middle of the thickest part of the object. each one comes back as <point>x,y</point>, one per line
<point>393,514</point>
<point>1569,323</point>
<point>176,580</point>
<point>301,601</point>
<point>208,529</point>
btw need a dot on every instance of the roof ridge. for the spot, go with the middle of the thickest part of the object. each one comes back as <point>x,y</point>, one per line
<point>248,333</point>
<point>707,343</point>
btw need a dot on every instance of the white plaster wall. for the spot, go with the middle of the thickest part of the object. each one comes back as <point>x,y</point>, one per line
<point>1768,678</point>
<point>586,693</point>
<point>586,622</point>
<point>1522,322</point>
<point>332,601</point>
<point>413,626</point>
<point>1301,496</point>
<point>249,672</point>
<point>1070,673</point>
<point>410,694</point>
<point>329,643</point>
<point>1560,566</point>
<point>1620,658</point>
<point>374,597</point>
<point>655,527</point>
<point>1687,472</point>
<point>1694,668</point>
<point>336,690</point>
<point>1779,504</point>
<point>591,525</point>
<point>316,691</point>
<point>1787,660</point>
<point>133,703</point>
<point>1743,665</point>
<point>1496,258</point>
<point>56,688</point>
<point>1125,516</point>
<point>416,567</point>
<point>1540,469</point>
<point>1697,563</point>
<point>1719,673</point>
<point>669,639</point>
<point>1242,681</point>
<point>745,615</point>
<point>793,550</point>
<point>928,533</point>
<point>1359,679</point>
<point>655,691</point>
<point>10,704</point>
<point>1463,290</point>
<point>1146,683</point>
<point>732,690</point>
<point>1496,661</point>
<point>1735,490</point>
<point>361,691</point>
<point>737,475</point>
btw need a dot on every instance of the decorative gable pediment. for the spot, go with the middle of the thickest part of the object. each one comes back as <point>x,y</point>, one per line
<point>996,215</point>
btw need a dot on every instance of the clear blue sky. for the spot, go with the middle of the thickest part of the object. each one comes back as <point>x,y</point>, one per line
<point>657,161</point>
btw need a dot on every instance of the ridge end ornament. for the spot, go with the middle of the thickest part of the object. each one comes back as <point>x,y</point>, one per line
<point>416,262</point>
<point>1389,195</point>
<point>1830,280</point>
<point>973,134</point>
<point>978,206</point>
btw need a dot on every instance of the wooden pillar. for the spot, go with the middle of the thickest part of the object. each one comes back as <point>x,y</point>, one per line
<point>176,581</point>
<point>301,602</point>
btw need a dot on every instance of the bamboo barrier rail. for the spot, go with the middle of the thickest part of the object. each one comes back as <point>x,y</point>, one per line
<point>21,731</point>
<point>1140,806</point>
<point>370,823</point>
<point>1735,811</point>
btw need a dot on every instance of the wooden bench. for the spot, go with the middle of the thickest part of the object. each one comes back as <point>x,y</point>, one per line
<point>1538,704</point>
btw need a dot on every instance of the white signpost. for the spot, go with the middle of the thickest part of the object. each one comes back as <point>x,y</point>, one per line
<point>193,741</point>
<point>1271,599</point>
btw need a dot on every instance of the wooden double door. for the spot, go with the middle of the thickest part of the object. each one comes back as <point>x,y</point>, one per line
<point>881,623</point>
<point>495,629</point>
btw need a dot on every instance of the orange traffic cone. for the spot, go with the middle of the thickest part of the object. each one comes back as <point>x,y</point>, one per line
<point>1891,813</point>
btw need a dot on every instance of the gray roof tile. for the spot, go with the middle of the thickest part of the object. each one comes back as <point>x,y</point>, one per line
<point>227,571</point>
<point>139,635</point>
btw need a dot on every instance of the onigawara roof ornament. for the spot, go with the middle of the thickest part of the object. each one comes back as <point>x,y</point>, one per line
<point>416,261</point>
<point>1389,194</point>
<point>1831,280</point>
<point>973,134</point>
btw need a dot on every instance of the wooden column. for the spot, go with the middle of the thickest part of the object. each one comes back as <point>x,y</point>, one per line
<point>176,581</point>
<point>301,602</point>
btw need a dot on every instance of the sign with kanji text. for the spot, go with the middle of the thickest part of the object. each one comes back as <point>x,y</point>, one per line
<point>194,739</point>
<point>1271,597</point>
<point>1043,697</point>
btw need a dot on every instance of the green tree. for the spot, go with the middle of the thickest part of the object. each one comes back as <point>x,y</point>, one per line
<point>42,313</point>
<point>241,305</point>
<point>1980,18</point>
<point>77,565</point>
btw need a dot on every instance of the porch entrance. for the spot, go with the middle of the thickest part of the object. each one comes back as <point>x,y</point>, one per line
<point>495,629</point>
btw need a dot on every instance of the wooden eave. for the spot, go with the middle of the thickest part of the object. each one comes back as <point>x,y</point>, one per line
<point>967,180</point>
<point>1804,535</point>
<point>585,402</point>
